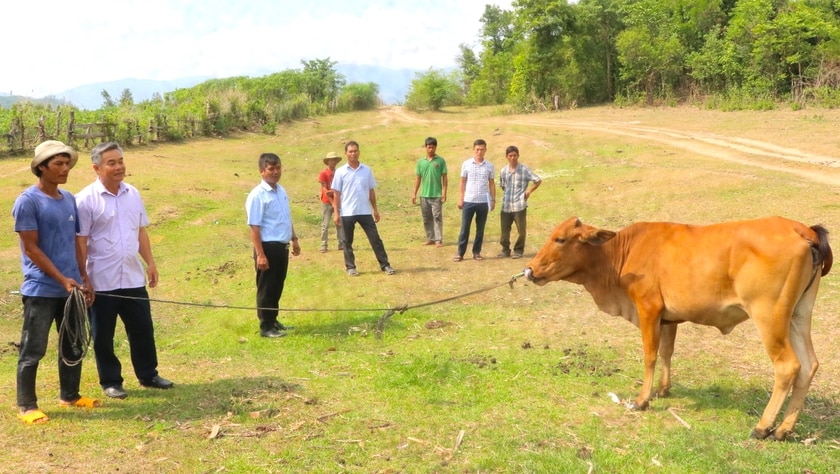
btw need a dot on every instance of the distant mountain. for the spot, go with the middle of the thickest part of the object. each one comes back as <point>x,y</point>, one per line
<point>89,96</point>
<point>7,100</point>
<point>393,87</point>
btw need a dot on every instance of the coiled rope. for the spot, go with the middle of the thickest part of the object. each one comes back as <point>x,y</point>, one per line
<point>74,329</point>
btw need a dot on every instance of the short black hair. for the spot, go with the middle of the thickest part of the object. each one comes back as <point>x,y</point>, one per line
<point>268,159</point>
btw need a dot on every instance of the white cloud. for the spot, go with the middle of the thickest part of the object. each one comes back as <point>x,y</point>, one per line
<point>90,41</point>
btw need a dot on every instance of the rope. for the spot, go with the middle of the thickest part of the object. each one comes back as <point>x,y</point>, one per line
<point>380,323</point>
<point>74,329</point>
<point>225,306</point>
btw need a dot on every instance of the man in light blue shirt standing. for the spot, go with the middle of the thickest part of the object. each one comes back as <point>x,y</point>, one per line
<point>354,201</point>
<point>270,221</point>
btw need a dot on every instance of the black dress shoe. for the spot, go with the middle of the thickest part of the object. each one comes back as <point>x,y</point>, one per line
<point>272,333</point>
<point>115,391</point>
<point>157,382</point>
<point>280,327</point>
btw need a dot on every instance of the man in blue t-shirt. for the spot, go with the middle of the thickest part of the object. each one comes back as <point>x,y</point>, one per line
<point>46,221</point>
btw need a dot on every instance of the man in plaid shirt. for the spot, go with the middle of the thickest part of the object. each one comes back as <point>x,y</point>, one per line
<point>514,180</point>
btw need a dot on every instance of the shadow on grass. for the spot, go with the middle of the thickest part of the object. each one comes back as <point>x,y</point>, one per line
<point>342,323</point>
<point>817,418</point>
<point>213,400</point>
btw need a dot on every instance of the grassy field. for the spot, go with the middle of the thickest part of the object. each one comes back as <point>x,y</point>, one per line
<point>513,378</point>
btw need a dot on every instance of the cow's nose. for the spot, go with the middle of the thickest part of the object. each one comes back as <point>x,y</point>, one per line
<point>529,274</point>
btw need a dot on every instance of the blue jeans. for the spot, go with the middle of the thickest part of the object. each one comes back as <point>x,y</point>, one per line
<point>479,210</point>
<point>38,316</point>
<point>369,226</point>
<point>136,315</point>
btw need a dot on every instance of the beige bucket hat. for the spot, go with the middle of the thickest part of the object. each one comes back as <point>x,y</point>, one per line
<point>49,149</point>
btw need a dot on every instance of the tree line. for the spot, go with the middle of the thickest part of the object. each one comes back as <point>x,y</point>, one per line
<point>213,108</point>
<point>728,54</point>
<point>539,55</point>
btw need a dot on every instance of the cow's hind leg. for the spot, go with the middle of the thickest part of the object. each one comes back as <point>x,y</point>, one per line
<point>667,336</point>
<point>800,339</point>
<point>773,322</point>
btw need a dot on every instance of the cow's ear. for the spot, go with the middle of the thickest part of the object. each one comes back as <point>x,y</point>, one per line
<point>598,236</point>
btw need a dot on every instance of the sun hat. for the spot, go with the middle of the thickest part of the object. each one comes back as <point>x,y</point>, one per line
<point>49,149</point>
<point>331,156</point>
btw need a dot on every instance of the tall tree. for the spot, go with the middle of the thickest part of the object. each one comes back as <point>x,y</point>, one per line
<point>469,64</point>
<point>321,81</point>
<point>650,48</point>
<point>546,26</point>
<point>107,101</point>
<point>594,44</point>
<point>489,81</point>
<point>126,98</point>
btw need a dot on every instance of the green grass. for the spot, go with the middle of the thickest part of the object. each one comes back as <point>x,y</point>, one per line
<point>525,373</point>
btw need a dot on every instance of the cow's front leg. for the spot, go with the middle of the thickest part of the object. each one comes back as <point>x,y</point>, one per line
<point>650,328</point>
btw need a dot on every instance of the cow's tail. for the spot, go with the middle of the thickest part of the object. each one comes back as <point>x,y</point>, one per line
<point>820,250</point>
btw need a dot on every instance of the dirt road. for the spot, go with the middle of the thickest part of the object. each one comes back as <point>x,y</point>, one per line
<point>796,142</point>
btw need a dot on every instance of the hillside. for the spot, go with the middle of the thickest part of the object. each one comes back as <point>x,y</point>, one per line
<point>393,87</point>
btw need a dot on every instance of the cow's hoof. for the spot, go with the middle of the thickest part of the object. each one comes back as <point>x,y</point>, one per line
<point>760,434</point>
<point>780,435</point>
<point>639,406</point>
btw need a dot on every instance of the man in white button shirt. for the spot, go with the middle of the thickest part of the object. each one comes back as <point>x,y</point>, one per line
<point>478,198</point>
<point>112,222</point>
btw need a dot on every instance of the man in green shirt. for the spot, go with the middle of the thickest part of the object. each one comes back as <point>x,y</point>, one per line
<point>430,179</point>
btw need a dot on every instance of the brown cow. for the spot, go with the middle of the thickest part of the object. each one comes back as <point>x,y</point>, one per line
<point>657,275</point>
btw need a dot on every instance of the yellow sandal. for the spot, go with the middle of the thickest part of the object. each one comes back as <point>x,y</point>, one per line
<point>82,402</point>
<point>34,417</point>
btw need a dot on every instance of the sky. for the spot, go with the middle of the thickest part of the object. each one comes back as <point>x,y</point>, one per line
<point>56,45</point>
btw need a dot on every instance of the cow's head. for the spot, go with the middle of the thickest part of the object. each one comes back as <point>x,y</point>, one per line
<point>566,252</point>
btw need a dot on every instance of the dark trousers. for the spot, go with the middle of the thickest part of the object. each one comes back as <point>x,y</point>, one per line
<point>507,220</point>
<point>38,316</point>
<point>479,211</point>
<point>369,226</point>
<point>270,282</point>
<point>136,315</point>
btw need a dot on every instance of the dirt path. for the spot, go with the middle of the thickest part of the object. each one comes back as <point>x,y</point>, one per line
<point>745,151</point>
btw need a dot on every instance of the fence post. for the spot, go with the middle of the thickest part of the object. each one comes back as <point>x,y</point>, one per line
<point>71,127</point>
<point>58,124</point>
<point>42,133</point>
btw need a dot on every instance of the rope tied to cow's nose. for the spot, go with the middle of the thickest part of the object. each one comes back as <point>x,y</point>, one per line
<point>380,324</point>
